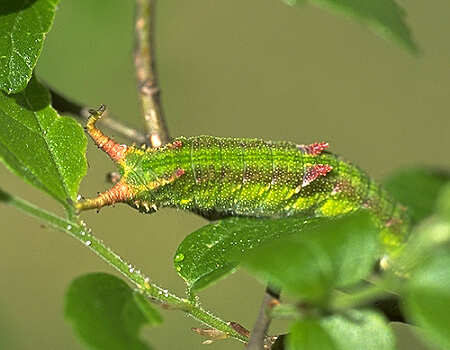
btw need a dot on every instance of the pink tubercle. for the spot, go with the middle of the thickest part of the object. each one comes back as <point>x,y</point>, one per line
<point>313,172</point>
<point>314,149</point>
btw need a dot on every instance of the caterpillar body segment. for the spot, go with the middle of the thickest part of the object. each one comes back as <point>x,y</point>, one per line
<point>248,177</point>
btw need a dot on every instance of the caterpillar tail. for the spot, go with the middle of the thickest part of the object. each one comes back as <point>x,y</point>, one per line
<point>395,227</point>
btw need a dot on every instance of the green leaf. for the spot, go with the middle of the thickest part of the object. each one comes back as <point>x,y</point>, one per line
<point>106,313</point>
<point>430,237</point>
<point>208,254</point>
<point>23,26</point>
<point>418,189</point>
<point>384,17</point>
<point>428,298</point>
<point>337,253</point>
<point>356,330</point>
<point>39,146</point>
<point>443,202</point>
<point>359,329</point>
<point>309,335</point>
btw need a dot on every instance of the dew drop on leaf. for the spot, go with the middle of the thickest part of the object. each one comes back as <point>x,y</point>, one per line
<point>179,257</point>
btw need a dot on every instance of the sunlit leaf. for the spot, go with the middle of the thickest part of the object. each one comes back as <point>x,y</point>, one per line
<point>23,26</point>
<point>428,297</point>
<point>359,329</point>
<point>337,253</point>
<point>208,254</point>
<point>44,149</point>
<point>356,330</point>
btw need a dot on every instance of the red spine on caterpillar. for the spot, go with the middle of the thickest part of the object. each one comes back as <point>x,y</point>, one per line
<point>314,149</point>
<point>313,172</point>
<point>113,149</point>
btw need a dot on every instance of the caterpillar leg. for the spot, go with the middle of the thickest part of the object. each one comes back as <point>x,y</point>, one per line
<point>113,149</point>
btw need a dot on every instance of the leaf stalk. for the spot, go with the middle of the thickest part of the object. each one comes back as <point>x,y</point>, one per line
<point>78,230</point>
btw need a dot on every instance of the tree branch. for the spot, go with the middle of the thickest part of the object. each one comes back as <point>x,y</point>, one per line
<point>64,105</point>
<point>259,339</point>
<point>145,67</point>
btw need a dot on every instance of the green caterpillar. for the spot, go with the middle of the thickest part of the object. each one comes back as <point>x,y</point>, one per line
<point>248,177</point>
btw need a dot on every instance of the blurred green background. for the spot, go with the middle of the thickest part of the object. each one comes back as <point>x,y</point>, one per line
<point>254,68</point>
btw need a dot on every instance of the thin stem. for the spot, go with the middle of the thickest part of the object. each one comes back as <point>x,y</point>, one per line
<point>145,67</point>
<point>64,105</point>
<point>79,231</point>
<point>258,339</point>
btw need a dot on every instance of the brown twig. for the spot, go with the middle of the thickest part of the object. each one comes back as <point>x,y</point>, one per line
<point>145,67</point>
<point>64,105</point>
<point>259,339</point>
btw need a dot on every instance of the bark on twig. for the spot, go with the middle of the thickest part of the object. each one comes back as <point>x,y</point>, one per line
<point>259,339</point>
<point>145,67</point>
<point>64,105</point>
